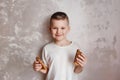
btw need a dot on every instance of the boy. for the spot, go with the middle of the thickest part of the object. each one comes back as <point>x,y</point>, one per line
<point>59,55</point>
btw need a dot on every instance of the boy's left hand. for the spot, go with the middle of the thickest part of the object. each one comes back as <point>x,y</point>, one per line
<point>80,59</point>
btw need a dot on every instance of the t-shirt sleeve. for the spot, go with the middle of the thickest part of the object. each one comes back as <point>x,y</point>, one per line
<point>44,56</point>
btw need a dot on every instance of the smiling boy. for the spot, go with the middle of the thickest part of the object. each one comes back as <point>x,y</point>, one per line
<point>58,56</point>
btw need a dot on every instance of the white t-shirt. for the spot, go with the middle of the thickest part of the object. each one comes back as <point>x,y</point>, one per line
<point>59,60</point>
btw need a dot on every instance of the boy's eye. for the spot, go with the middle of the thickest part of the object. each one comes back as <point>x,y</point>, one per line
<point>62,28</point>
<point>54,28</point>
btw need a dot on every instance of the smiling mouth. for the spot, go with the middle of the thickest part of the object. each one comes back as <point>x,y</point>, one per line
<point>58,35</point>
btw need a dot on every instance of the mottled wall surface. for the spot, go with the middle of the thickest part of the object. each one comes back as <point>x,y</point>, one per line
<point>95,25</point>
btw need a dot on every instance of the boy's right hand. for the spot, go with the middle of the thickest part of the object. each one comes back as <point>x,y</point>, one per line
<point>38,65</point>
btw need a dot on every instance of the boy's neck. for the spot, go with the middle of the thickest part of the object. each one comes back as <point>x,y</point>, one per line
<point>63,42</point>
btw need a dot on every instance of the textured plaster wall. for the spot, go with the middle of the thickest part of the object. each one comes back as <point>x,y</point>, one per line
<point>95,25</point>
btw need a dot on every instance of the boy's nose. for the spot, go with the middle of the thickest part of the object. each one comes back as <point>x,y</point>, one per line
<point>58,31</point>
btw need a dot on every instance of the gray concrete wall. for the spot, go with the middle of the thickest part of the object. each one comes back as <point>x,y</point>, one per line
<point>95,25</point>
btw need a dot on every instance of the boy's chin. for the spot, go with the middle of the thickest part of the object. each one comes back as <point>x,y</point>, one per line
<point>58,39</point>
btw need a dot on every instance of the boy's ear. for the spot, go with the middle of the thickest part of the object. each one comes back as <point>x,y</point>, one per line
<point>49,29</point>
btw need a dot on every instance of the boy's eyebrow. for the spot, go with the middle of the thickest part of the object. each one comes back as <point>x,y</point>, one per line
<point>54,27</point>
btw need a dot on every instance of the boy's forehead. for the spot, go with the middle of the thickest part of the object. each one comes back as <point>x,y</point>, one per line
<point>53,21</point>
<point>59,23</point>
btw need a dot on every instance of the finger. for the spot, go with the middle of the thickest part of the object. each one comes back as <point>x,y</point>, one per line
<point>83,55</point>
<point>35,64</point>
<point>81,58</point>
<point>38,65</point>
<point>37,69</point>
<point>80,61</point>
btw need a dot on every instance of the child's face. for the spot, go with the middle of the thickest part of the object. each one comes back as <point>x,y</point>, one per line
<point>59,29</point>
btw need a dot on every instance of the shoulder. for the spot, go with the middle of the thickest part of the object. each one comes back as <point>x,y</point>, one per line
<point>48,45</point>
